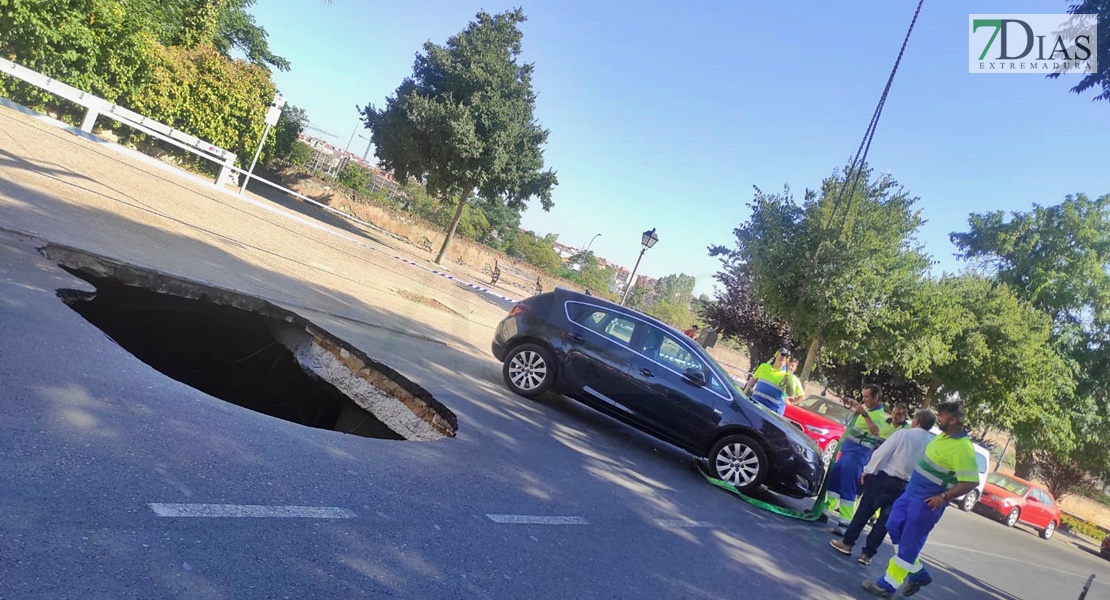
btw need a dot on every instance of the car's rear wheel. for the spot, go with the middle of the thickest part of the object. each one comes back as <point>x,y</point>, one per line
<point>830,451</point>
<point>739,460</point>
<point>1012,518</point>
<point>1049,529</point>
<point>969,500</point>
<point>529,370</point>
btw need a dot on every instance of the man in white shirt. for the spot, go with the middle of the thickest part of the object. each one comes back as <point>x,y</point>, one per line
<point>886,476</point>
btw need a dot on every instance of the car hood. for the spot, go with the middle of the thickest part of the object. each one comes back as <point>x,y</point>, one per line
<point>811,418</point>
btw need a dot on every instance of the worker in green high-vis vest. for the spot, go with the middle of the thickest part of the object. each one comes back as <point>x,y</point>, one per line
<point>863,434</point>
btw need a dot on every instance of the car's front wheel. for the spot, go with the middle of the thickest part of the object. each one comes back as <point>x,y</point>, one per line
<point>1048,530</point>
<point>969,500</point>
<point>739,460</point>
<point>1012,518</point>
<point>830,451</point>
<point>529,370</point>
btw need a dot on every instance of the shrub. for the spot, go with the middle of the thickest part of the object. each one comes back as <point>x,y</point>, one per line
<point>1082,526</point>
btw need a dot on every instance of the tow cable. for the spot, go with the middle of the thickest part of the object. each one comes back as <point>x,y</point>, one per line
<point>812,514</point>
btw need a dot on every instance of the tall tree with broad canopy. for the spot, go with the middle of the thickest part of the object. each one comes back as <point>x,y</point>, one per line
<point>1057,258</point>
<point>464,123</point>
<point>832,268</point>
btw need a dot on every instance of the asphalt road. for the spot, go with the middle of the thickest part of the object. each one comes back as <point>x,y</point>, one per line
<point>533,498</point>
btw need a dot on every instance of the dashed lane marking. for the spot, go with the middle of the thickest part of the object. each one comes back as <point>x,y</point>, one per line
<point>537,520</point>
<point>250,511</point>
<point>682,523</point>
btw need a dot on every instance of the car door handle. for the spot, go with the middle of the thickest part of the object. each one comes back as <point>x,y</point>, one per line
<point>574,337</point>
<point>646,372</point>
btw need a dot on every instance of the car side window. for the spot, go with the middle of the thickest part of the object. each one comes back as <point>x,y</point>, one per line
<point>595,320</point>
<point>615,327</point>
<point>1044,498</point>
<point>620,329</point>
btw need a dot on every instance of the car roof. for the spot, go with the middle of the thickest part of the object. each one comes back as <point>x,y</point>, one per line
<point>1020,480</point>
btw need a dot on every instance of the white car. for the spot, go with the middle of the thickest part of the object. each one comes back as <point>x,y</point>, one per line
<point>983,461</point>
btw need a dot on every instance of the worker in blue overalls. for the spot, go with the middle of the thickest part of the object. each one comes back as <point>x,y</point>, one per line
<point>864,433</point>
<point>947,471</point>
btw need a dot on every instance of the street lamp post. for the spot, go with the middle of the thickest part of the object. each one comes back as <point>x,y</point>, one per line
<point>587,249</point>
<point>648,240</point>
<point>369,142</point>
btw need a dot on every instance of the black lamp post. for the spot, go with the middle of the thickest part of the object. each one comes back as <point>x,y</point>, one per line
<point>647,240</point>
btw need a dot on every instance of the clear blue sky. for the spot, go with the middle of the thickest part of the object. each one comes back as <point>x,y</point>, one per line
<point>665,116</point>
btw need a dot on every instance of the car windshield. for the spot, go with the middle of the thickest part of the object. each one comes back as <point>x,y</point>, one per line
<point>830,409</point>
<point>1008,484</point>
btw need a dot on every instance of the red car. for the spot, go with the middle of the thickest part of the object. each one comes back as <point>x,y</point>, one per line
<point>1013,499</point>
<point>822,419</point>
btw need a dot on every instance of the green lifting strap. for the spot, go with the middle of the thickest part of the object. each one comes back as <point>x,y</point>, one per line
<point>812,514</point>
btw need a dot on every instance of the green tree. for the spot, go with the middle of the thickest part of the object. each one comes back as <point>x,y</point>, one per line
<point>677,289</point>
<point>1101,77</point>
<point>289,126</point>
<point>236,29</point>
<point>1003,362</point>
<point>464,121</point>
<point>589,274</point>
<point>738,314</point>
<point>300,154</point>
<point>204,93</point>
<point>831,267</point>
<point>677,315</point>
<point>225,24</point>
<point>537,251</point>
<point>1057,258</point>
<point>356,177</point>
<point>97,46</point>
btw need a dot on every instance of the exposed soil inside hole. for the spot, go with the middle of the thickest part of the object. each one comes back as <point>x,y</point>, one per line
<point>251,353</point>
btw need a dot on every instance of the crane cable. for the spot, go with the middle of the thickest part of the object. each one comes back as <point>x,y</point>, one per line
<point>855,170</point>
<point>853,175</point>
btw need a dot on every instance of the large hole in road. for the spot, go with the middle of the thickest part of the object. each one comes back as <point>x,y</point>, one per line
<point>249,352</point>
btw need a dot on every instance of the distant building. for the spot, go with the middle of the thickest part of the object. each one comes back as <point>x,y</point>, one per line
<point>330,161</point>
<point>564,251</point>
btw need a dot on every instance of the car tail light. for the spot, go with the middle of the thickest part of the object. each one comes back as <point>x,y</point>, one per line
<point>519,309</point>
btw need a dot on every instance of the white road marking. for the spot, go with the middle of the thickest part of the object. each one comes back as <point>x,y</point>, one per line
<point>1007,559</point>
<point>537,520</point>
<point>682,523</point>
<point>250,511</point>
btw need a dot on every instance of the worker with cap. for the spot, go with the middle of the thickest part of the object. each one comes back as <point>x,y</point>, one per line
<point>772,384</point>
<point>948,470</point>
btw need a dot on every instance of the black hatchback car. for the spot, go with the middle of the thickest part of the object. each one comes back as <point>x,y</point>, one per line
<point>651,376</point>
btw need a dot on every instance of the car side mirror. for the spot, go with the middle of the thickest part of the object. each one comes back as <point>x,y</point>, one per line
<point>1033,499</point>
<point>694,376</point>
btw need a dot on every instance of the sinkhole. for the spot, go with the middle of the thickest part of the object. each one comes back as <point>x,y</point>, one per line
<point>250,352</point>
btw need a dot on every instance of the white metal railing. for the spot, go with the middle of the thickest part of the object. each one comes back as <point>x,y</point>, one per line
<point>96,106</point>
